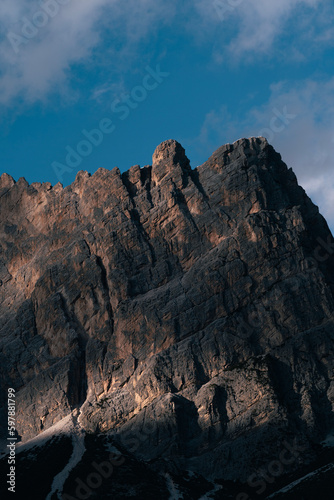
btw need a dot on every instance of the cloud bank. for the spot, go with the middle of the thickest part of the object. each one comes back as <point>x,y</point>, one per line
<point>249,28</point>
<point>298,120</point>
<point>42,41</point>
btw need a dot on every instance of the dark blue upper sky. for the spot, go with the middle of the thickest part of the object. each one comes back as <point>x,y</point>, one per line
<point>201,72</point>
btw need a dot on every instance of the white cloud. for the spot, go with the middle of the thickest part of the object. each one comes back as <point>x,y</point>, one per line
<point>37,66</point>
<point>307,143</point>
<point>262,21</point>
<point>110,32</point>
<point>98,93</point>
<point>43,63</point>
<point>252,27</point>
<point>298,120</point>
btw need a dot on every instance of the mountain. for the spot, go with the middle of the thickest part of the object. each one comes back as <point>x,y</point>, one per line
<point>180,319</point>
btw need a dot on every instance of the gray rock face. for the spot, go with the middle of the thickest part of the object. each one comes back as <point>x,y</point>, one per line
<point>188,312</point>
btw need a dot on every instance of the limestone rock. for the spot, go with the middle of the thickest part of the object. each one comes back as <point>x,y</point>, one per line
<point>197,304</point>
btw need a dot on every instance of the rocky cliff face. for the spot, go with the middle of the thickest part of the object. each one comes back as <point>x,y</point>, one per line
<point>191,307</point>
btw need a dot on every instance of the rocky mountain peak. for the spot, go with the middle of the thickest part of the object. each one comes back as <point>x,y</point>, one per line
<point>198,303</point>
<point>169,160</point>
<point>6,181</point>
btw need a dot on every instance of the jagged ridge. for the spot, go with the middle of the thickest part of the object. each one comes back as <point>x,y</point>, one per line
<point>189,298</point>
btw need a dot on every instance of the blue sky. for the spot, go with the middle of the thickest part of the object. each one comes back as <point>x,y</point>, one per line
<point>201,72</point>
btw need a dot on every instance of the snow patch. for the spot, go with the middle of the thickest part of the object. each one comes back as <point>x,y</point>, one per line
<point>78,441</point>
<point>69,426</point>
<point>63,427</point>
<point>110,448</point>
<point>208,495</point>
<point>173,489</point>
<point>329,441</point>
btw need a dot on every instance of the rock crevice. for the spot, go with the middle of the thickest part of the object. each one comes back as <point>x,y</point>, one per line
<point>195,299</point>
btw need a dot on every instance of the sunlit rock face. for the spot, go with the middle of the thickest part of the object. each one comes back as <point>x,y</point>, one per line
<point>194,302</point>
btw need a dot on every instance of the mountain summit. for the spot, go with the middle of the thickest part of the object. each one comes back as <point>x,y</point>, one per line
<point>189,311</point>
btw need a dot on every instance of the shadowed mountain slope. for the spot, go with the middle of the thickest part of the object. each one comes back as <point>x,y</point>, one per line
<point>191,310</point>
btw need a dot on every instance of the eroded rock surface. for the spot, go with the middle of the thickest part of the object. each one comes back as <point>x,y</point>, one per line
<point>194,303</point>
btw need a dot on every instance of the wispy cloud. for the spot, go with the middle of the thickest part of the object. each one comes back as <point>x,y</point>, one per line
<point>98,94</point>
<point>298,120</point>
<point>307,145</point>
<point>36,59</point>
<point>253,27</point>
<point>40,42</point>
<point>114,33</point>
